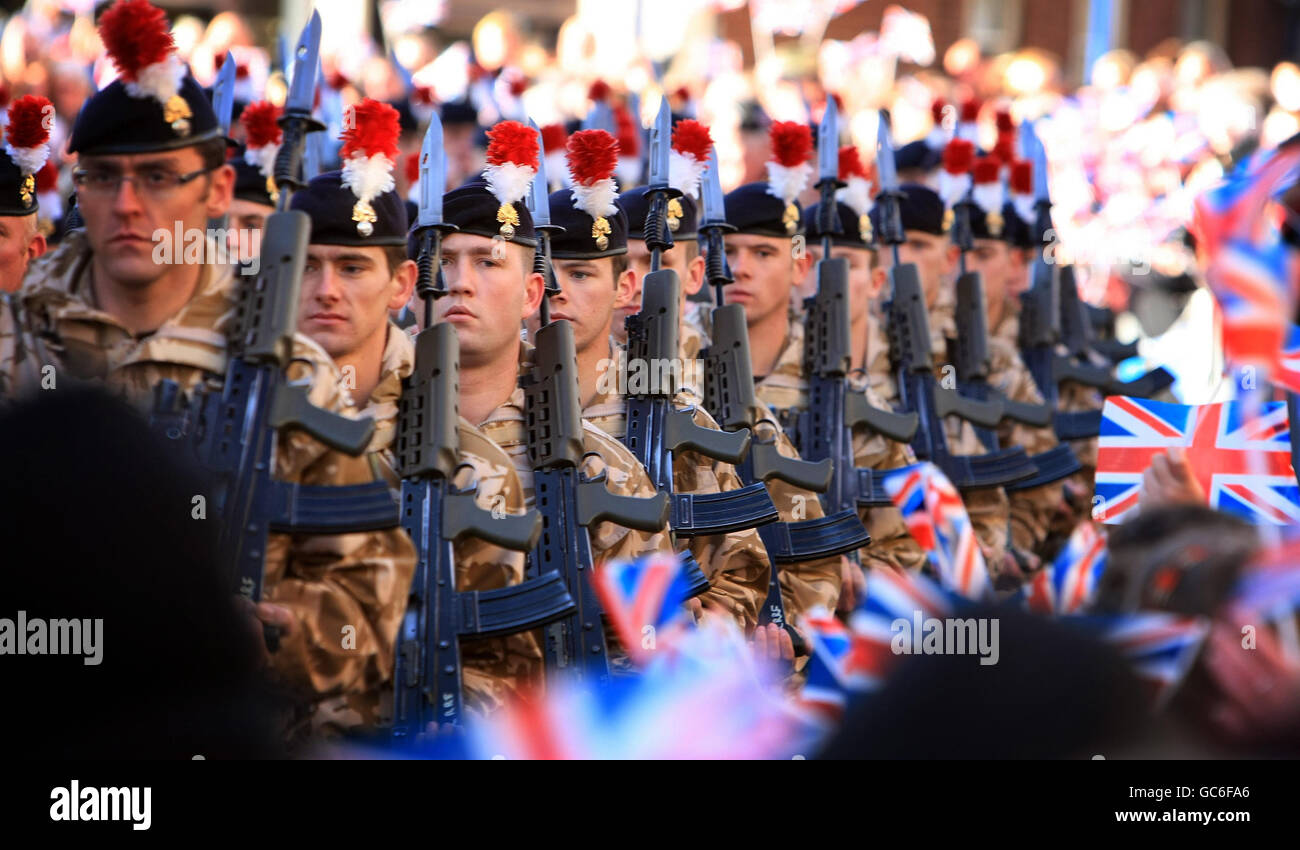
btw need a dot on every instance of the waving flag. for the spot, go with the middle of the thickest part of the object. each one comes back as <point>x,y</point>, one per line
<point>830,678</point>
<point>937,519</point>
<point>646,593</point>
<point>1161,647</point>
<point>1250,270</point>
<point>1243,464</point>
<point>1068,585</point>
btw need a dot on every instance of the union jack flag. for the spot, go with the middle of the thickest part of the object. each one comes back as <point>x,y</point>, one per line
<point>1068,585</point>
<point>1160,647</point>
<point>1288,367</point>
<point>891,596</point>
<point>937,519</point>
<point>1243,463</point>
<point>646,592</point>
<point>830,674</point>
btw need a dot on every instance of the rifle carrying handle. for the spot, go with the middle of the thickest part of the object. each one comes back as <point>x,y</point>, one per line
<point>596,503</point>
<point>462,517</point>
<point>292,409</point>
<point>682,434</point>
<point>899,427</point>
<point>769,463</point>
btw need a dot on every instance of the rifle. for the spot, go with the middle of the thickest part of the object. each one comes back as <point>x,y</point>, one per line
<point>1052,298</point>
<point>233,431</point>
<point>730,396</point>
<point>970,356</point>
<point>910,356</point>
<point>569,501</point>
<point>436,515</point>
<point>656,429</point>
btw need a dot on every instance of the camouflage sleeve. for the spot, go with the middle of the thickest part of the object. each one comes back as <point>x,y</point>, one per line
<point>347,591</point>
<point>891,544</point>
<point>736,563</point>
<point>1032,511</point>
<point>493,668</point>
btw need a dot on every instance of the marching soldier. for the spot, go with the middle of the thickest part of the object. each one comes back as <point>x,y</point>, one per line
<point>767,263</point>
<point>928,247</point>
<point>591,269</point>
<point>151,161</point>
<point>351,282</point>
<point>28,137</point>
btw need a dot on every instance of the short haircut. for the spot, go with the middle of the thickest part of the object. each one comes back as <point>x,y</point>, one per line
<point>395,255</point>
<point>690,250</point>
<point>212,152</point>
<point>618,263</point>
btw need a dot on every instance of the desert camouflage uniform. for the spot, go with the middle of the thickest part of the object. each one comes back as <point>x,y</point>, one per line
<point>1073,398</point>
<point>329,581</point>
<point>989,509</point>
<point>786,388</point>
<point>1032,511</point>
<point>491,667</point>
<point>736,563</point>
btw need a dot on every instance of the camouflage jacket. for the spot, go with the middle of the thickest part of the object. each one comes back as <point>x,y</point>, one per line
<point>736,563</point>
<point>489,665</point>
<point>347,590</point>
<point>785,390</point>
<point>989,509</point>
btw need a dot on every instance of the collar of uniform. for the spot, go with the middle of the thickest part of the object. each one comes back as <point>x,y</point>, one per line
<point>512,409</point>
<point>195,336</point>
<point>398,364</point>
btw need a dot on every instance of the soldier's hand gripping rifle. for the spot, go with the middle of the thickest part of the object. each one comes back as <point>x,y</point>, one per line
<point>436,514</point>
<point>910,356</point>
<point>970,355</point>
<point>656,430</point>
<point>233,430</point>
<point>824,430</point>
<point>570,502</point>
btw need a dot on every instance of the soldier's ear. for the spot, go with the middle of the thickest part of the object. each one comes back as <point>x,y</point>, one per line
<point>879,276</point>
<point>221,191</point>
<point>625,288</point>
<point>534,292</point>
<point>404,276</point>
<point>694,275</point>
<point>803,263</point>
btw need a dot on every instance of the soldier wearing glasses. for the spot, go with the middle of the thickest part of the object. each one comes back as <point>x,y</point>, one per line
<point>103,307</point>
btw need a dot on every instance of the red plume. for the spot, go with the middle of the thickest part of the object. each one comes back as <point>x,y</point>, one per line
<point>629,132</point>
<point>851,163</point>
<point>936,110</point>
<point>137,35</point>
<point>839,101</point>
<point>260,127</point>
<point>1005,149</point>
<point>423,95</point>
<point>27,122</point>
<point>553,137</point>
<point>599,91</point>
<point>413,167</point>
<point>683,94</point>
<point>691,138</point>
<point>958,156</point>
<point>511,141</point>
<point>1022,177</point>
<point>592,155</point>
<point>242,71</point>
<point>518,86</point>
<point>375,128</point>
<point>47,179</point>
<point>336,80</point>
<point>4,94</point>
<point>1006,123</point>
<point>986,169</point>
<point>970,111</point>
<point>791,142</point>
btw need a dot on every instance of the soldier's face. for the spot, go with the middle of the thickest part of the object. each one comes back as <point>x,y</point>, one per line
<point>121,225</point>
<point>589,298</point>
<point>1018,281</point>
<point>863,285</point>
<point>992,259</point>
<point>20,243</point>
<point>491,291</point>
<point>682,258</point>
<point>346,295</point>
<point>246,221</point>
<point>765,269</point>
<point>935,258</point>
